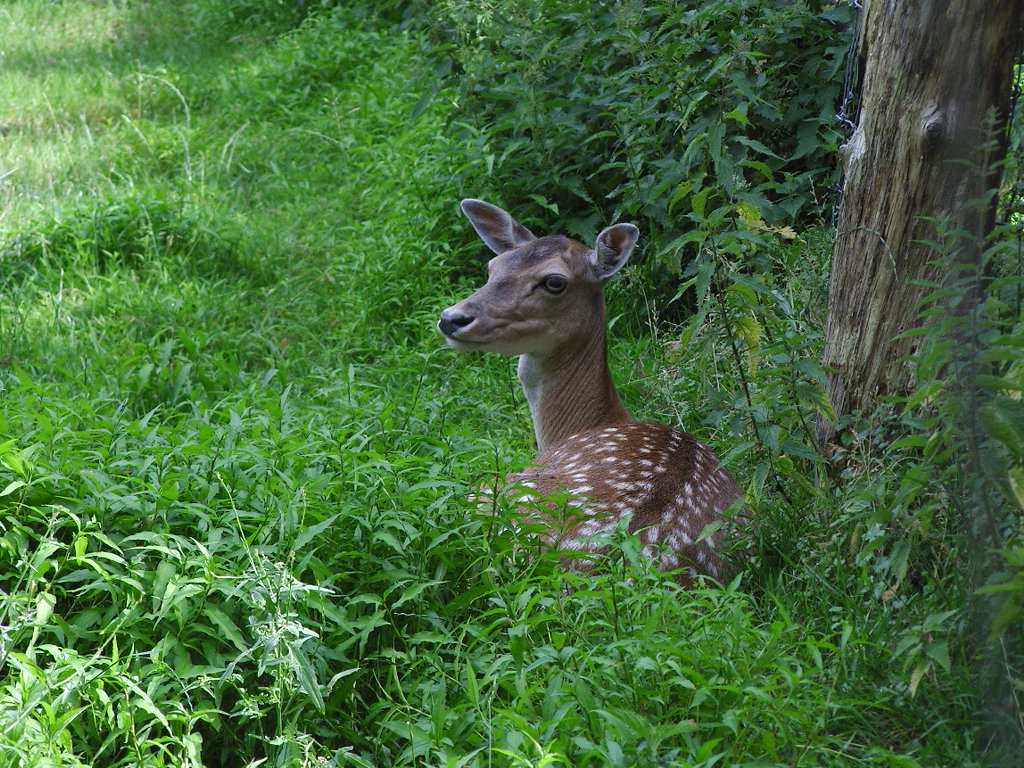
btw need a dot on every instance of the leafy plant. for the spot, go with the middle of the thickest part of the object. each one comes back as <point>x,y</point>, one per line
<point>650,111</point>
<point>125,232</point>
<point>236,464</point>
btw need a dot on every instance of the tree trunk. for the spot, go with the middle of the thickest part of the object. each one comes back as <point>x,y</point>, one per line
<point>934,74</point>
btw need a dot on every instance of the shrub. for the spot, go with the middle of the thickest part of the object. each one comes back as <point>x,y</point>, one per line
<point>651,111</point>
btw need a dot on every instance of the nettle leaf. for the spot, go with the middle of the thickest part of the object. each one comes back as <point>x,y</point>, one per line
<point>760,167</point>
<point>681,191</point>
<point>1003,420</point>
<point>699,201</point>
<point>739,115</point>
<point>808,140</point>
<point>922,668</point>
<point>756,284</point>
<point>815,395</point>
<point>1000,383</point>
<point>749,329</point>
<point>1016,479</point>
<point>750,215</point>
<point>1012,609</point>
<point>756,145</point>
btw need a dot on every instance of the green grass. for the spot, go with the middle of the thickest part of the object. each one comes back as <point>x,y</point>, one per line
<point>236,460</point>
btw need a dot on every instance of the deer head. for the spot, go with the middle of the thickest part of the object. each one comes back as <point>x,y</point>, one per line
<point>544,301</point>
<point>542,293</point>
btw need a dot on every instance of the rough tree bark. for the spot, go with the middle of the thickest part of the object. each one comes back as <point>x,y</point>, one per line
<point>934,72</point>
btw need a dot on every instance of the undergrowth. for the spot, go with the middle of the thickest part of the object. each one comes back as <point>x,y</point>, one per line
<point>236,463</point>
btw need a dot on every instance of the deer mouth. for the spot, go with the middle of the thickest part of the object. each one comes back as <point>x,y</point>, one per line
<point>457,343</point>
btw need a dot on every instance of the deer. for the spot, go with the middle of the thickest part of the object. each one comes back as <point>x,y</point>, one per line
<point>544,301</point>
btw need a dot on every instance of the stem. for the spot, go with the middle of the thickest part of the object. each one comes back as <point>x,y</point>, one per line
<point>724,313</point>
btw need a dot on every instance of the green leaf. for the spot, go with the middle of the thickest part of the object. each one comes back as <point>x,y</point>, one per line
<point>163,591</point>
<point>305,675</point>
<point>225,625</point>
<point>693,236</point>
<point>680,192</point>
<point>1003,420</point>
<point>44,607</point>
<point>909,441</point>
<point>938,651</point>
<point>145,702</point>
<point>13,460</point>
<point>750,215</point>
<point>760,167</point>
<point>543,202</point>
<point>472,686</point>
<point>999,383</point>
<point>748,329</point>
<point>916,676</point>
<point>12,487</point>
<point>755,283</point>
<point>738,115</point>
<point>310,533</point>
<point>756,145</point>
<point>710,529</point>
<point>1016,478</point>
<point>699,201</point>
<point>1009,613</point>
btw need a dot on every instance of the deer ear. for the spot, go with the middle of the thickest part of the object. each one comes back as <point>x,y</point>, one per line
<point>496,228</point>
<point>613,248</point>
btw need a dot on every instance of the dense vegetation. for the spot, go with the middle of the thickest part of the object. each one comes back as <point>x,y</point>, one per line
<point>236,460</point>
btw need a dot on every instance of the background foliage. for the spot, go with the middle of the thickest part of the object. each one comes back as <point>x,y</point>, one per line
<point>235,460</point>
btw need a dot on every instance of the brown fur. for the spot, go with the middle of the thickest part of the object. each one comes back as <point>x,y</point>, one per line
<point>594,458</point>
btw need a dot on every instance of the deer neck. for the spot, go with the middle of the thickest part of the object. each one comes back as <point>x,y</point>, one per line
<point>570,390</point>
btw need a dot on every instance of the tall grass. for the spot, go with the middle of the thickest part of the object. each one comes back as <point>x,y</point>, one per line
<point>236,464</point>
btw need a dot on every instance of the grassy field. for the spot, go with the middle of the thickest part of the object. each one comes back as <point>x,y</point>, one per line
<point>235,457</point>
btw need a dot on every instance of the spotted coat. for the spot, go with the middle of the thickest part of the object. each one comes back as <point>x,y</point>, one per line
<point>670,484</point>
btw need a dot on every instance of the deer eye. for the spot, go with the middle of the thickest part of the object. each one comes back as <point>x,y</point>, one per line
<point>555,283</point>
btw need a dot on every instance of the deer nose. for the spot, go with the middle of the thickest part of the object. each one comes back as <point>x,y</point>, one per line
<point>452,322</point>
